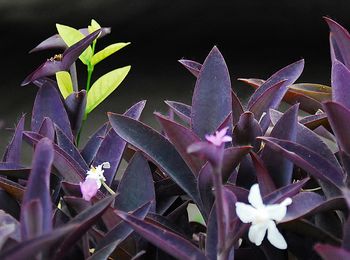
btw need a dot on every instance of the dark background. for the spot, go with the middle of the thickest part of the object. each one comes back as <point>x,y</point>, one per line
<point>256,37</point>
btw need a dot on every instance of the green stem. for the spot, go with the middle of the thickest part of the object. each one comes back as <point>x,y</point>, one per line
<point>108,188</point>
<point>88,81</point>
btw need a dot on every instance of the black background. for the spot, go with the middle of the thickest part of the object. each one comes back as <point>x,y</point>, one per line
<point>256,38</point>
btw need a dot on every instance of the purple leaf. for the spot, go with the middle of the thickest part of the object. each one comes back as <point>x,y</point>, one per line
<point>314,121</point>
<point>112,146</point>
<point>63,62</point>
<point>266,183</point>
<point>181,137</point>
<point>93,144</point>
<point>47,129</point>
<point>13,188</point>
<point>212,100</point>
<point>329,252</point>
<point>166,240</point>
<point>38,189</point>
<point>339,119</point>
<point>30,248</point>
<point>75,105</point>
<point>67,146</point>
<point>309,139</point>
<point>340,42</point>
<point>84,220</point>
<point>307,203</point>
<point>340,84</point>
<point>208,152</point>
<point>237,108</point>
<point>136,186</point>
<point>310,161</point>
<point>289,73</point>
<point>246,131</point>
<point>56,42</point>
<point>158,149</point>
<point>182,110</point>
<point>280,168</point>
<point>48,104</point>
<point>13,150</point>
<point>265,101</point>
<point>69,169</point>
<point>192,66</point>
<point>123,230</point>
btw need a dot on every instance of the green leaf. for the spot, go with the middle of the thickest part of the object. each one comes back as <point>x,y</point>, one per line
<point>104,86</point>
<point>64,82</point>
<point>109,50</point>
<point>94,26</point>
<point>71,36</point>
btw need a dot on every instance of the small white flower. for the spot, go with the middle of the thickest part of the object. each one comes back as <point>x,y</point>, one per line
<point>96,173</point>
<point>263,218</point>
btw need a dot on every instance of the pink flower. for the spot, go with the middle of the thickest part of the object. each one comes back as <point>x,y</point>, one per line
<point>93,180</point>
<point>219,137</point>
<point>88,188</point>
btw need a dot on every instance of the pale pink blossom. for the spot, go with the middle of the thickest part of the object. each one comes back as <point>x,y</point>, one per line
<point>93,181</point>
<point>219,137</point>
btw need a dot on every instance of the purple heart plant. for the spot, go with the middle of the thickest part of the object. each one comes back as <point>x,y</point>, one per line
<point>222,180</point>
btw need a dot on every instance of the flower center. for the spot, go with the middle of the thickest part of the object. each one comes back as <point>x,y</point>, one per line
<point>261,216</point>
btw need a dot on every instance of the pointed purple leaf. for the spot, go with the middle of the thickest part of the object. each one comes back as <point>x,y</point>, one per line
<point>75,105</point>
<point>38,188</point>
<point>69,56</point>
<point>237,108</point>
<point>310,161</point>
<point>136,186</point>
<point>339,119</point>
<point>47,129</point>
<point>266,100</point>
<point>163,238</point>
<point>266,183</point>
<point>112,147</point>
<point>212,100</point>
<point>329,252</point>
<point>192,66</point>
<point>30,248</point>
<point>69,169</point>
<point>67,146</point>
<point>314,121</point>
<point>56,42</point>
<point>340,42</point>
<point>181,137</point>
<point>13,150</point>
<point>158,149</point>
<point>309,139</point>
<point>341,83</point>
<point>310,203</point>
<point>289,73</point>
<point>280,168</point>
<point>123,230</point>
<point>13,188</point>
<point>84,220</point>
<point>180,109</point>
<point>48,104</point>
<point>93,144</point>
<point>246,131</point>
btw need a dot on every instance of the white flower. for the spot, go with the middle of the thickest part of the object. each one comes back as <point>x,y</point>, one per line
<point>263,218</point>
<point>96,173</point>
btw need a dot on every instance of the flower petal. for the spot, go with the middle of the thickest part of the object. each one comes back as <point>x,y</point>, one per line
<point>254,197</point>
<point>88,188</point>
<point>245,212</point>
<point>257,233</point>
<point>275,237</point>
<point>276,211</point>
